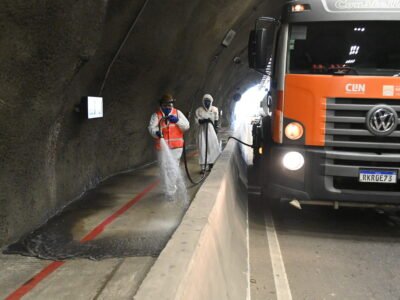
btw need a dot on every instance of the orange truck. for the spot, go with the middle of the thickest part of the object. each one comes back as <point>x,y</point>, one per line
<point>331,132</point>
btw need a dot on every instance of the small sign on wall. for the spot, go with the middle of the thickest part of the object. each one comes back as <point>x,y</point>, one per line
<point>94,107</point>
<point>91,107</point>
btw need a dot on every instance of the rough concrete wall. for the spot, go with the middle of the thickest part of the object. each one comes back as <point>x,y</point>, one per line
<point>174,47</point>
<point>43,45</point>
<point>54,52</point>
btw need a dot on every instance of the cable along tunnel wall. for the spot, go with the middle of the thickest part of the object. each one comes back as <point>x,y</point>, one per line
<point>207,257</point>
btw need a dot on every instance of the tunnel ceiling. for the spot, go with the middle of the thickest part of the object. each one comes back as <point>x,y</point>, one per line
<point>52,53</point>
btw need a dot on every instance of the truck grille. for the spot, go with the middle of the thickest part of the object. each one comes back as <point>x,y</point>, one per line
<point>346,125</point>
<point>355,147</point>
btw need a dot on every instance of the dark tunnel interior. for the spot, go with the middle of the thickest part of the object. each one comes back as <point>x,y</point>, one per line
<point>53,53</point>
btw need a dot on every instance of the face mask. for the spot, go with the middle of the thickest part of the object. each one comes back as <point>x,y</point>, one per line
<point>207,104</point>
<point>166,110</point>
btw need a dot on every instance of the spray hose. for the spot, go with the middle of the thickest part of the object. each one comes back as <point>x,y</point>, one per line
<point>241,142</point>
<point>184,154</point>
<point>205,162</point>
<point>206,153</point>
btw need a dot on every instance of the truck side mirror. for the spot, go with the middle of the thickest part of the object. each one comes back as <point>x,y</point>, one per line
<point>261,42</point>
<point>258,49</point>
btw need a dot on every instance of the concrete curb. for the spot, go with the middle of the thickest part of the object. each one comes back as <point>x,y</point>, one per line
<point>207,256</point>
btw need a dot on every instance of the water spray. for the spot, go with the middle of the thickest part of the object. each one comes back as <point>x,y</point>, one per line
<point>171,175</point>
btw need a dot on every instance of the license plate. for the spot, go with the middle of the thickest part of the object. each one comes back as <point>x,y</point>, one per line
<point>378,176</point>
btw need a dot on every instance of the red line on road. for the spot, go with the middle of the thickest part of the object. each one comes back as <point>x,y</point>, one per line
<point>100,228</point>
<point>31,283</point>
<point>46,271</point>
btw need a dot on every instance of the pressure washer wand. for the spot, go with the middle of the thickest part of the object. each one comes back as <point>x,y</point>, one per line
<point>159,127</point>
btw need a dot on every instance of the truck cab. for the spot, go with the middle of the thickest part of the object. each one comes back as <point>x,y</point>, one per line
<point>332,133</point>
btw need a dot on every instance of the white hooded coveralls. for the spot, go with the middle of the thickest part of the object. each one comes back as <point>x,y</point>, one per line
<point>213,145</point>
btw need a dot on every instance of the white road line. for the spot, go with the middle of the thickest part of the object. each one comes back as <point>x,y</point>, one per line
<point>248,296</point>
<point>278,267</point>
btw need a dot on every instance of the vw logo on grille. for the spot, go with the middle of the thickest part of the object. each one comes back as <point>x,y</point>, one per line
<point>381,120</point>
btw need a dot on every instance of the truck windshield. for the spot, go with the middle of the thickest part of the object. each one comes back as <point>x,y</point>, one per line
<point>345,48</point>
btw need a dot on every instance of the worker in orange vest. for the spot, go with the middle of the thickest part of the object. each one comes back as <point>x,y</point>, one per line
<point>169,123</point>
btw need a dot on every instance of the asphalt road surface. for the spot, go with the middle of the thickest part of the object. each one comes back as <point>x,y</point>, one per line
<point>321,253</point>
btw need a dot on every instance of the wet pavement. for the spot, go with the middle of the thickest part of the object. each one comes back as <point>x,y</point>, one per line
<point>138,216</point>
<point>124,222</point>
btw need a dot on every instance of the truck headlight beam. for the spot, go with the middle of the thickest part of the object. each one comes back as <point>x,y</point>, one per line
<point>293,161</point>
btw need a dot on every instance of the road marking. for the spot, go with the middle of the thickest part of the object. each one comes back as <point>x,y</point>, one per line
<point>278,267</point>
<point>248,296</point>
<point>100,228</point>
<point>32,282</point>
<point>46,271</point>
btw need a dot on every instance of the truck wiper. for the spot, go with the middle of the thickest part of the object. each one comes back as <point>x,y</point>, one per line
<point>396,75</point>
<point>342,71</point>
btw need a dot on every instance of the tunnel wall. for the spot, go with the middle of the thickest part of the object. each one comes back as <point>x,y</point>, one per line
<point>52,53</point>
<point>207,257</point>
<point>43,46</point>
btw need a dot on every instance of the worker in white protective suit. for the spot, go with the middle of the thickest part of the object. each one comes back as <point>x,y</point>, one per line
<point>207,118</point>
<point>167,126</point>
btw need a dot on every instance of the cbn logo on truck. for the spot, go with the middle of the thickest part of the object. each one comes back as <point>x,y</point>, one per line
<point>358,88</point>
<point>391,90</point>
<point>361,5</point>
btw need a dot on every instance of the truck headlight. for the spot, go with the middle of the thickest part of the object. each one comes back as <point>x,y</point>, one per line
<point>294,131</point>
<point>293,161</point>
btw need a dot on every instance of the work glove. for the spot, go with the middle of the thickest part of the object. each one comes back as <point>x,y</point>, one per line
<point>173,119</point>
<point>158,134</point>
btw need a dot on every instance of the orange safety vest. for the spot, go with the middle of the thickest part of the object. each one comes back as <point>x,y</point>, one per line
<point>171,132</point>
